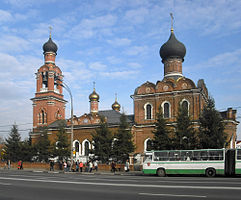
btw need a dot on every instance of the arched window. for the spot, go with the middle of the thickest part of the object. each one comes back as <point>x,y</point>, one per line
<point>166,109</point>
<point>147,144</point>
<point>148,111</point>
<point>185,105</point>
<point>87,149</point>
<point>76,145</point>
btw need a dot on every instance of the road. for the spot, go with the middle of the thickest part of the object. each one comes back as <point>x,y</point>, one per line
<point>23,185</point>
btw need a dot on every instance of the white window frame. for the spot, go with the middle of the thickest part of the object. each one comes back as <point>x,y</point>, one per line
<point>170,114</point>
<point>145,110</point>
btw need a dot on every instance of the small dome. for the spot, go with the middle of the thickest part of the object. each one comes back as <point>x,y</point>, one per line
<point>50,46</point>
<point>94,96</point>
<point>116,106</point>
<point>172,48</point>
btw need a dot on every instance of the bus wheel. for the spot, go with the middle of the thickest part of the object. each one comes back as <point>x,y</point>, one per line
<point>210,172</point>
<point>161,172</point>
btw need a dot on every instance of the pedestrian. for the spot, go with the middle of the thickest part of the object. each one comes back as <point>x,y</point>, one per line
<point>68,165</point>
<point>113,165</point>
<point>81,166</point>
<point>19,164</point>
<point>51,165</point>
<point>77,166</point>
<point>87,166</point>
<point>127,166</point>
<point>90,166</point>
<point>95,165</point>
<point>9,164</point>
<point>65,166</point>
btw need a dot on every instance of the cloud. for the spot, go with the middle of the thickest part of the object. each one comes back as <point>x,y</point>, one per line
<point>136,50</point>
<point>120,74</point>
<point>90,27</point>
<point>134,65</point>
<point>97,66</point>
<point>136,16</point>
<point>120,42</point>
<point>13,44</point>
<point>221,60</point>
<point>5,16</point>
<point>114,60</point>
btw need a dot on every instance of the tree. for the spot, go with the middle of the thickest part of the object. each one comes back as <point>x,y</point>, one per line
<point>27,151</point>
<point>13,145</point>
<point>161,140</point>
<point>123,144</point>
<point>43,146</point>
<point>185,137</point>
<point>211,130</point>
<point>62,145</point>
<point>102,141</point>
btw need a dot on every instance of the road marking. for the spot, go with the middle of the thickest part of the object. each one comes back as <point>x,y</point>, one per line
<point>7,184</point>
<point>125,185</point>
<point>173,195</point>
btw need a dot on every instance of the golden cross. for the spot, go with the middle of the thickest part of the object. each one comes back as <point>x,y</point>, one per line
<point>172,19</point>
<point>50,30</point>
<point>94,85</point>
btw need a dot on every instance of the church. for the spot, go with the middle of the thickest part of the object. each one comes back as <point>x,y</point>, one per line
<point>172,91</point>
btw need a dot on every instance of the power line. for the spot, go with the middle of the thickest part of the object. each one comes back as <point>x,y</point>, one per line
<point>15,124</point>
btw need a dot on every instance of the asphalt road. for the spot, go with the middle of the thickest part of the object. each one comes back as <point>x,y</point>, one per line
<point>35,186</point>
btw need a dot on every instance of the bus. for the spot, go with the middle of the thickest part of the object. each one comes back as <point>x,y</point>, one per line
<point>209,162</point>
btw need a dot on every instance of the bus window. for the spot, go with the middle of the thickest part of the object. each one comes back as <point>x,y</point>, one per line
<point>238,154</point>
<point>216,155</point>
<point>186,155</point>
<point>161,156</point>
<point>174,155</point>
<point>196,155</point>
<point>147,158</point>
<point>204,155</point>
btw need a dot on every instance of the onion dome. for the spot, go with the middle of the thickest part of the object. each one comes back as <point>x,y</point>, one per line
<point>50,46</point>
<point>94,96</point>
<point>172,48</point>
<point>116,106</point>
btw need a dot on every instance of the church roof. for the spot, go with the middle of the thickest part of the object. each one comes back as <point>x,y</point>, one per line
<point>113,116</point>
<point>172,48</point>
<point>50,46</point>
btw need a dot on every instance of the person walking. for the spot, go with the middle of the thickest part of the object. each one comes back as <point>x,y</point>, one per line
<point>9,164</point>
<point>77,166</point>
<point>90,166</point>
<point>65,166</point>
<point>81,166</point>
<point>95,165</point>
<point>113,165</point>
<point>127,166</point>
<point>51,163</point>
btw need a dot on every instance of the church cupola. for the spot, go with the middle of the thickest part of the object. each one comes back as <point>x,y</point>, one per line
<point>172,53</point>
<point>94,99</point>
<point>116,106</point>
<point>50,50</point>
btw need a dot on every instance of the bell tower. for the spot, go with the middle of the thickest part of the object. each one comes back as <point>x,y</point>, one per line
<point>48,103</point>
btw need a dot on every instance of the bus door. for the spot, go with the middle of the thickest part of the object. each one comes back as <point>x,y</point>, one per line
<point>230,162</point>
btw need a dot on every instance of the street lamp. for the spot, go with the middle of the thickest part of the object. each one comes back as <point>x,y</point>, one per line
<point>72,125</point>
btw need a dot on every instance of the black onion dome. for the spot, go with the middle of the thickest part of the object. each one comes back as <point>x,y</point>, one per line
<point>172,48</point>
<point>50,46</point>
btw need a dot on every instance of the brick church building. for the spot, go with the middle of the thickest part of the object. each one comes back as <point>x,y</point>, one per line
<point>172,91</point>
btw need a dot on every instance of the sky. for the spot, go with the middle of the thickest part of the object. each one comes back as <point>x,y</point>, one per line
<point>116,44</point>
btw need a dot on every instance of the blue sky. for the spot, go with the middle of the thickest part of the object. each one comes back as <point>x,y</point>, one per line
<point>116,44</point>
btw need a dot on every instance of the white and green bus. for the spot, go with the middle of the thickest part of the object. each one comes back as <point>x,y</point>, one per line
<point>208,162</point>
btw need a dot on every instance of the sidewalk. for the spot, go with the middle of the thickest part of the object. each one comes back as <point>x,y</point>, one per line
<point>121,173</point>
